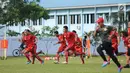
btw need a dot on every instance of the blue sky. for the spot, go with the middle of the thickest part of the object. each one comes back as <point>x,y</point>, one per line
<point>68,3</point>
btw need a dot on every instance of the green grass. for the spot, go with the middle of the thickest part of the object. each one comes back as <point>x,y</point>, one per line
<point>93,65</point>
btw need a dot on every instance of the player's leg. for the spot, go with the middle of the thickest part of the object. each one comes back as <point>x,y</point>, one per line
<point>25,52</point>
<point>35,55</point>
<point>127,59</point>
<point>109,51</point>
<point>100,49</point>
<point>66,51</point>
<point>40,52</point>
<point>82,55</point>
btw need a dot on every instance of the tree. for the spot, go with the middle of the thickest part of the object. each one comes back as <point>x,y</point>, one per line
<point>48,31</point>
<point>12,33</point>
<point>18,11</point>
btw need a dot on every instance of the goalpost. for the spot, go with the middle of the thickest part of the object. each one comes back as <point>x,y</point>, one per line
<point>3,42</point>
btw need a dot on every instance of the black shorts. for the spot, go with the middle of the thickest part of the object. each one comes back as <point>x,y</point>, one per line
<point>128,52</point>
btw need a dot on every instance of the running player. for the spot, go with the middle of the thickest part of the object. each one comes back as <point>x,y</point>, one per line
<point>78,47</point>
<point>70,38</point>
<point>115,42</point>
<point>62,43</point>
<point>127,44</point>
<point>30,43</point>
<point>106,44</point>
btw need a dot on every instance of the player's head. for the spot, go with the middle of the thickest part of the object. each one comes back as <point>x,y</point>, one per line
<point>124,33</point>
<point>27,31</point>
<point>23,33</point>
<point>56,33</point>
<point>74,31</point>
<point>100,21</point>
<point>114,28</point>
<point>65,28</point>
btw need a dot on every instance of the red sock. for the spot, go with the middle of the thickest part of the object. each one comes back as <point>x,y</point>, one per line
<point>27,56</point>
<point>39,58</point>
<point>66,55</point>
<point>58,57</point>
<point>33,59</point>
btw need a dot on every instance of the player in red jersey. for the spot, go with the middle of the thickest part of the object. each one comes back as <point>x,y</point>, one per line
<point>115,41</point>
<point>30,42</point>
<point>70,39</point>
<point>127,45</point>
<point>78,47</point>
<point>62,42</point>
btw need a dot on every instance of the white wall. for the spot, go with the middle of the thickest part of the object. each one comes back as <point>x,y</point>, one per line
<point>45,44</point>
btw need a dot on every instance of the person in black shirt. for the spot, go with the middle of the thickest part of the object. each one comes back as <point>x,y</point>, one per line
<point>105,38</point>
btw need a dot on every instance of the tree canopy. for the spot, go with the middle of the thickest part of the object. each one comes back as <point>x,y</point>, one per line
<point>14,11</point>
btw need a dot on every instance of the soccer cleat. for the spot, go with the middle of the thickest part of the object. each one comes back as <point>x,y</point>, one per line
<point>42,52</point>
<point>104,64</point>
<point>120,69</point>
<point>65,62</point>
<point>28,62</point>
<point>42,62</point>
<point>56,62</point>
<point>127,66</point>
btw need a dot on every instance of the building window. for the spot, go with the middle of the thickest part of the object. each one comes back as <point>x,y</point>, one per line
<point>106,17</point>
<point>92,18</point>
<point>40,21</point>
<point>16,24</point>
<point>29,22</point>
<point>86,19</point>
<point>35,22</point>
<point>52,17</point>
<point>23,23</point>
<point>78,19</point>
<point>65,19</point>
<point>59,19</point>
<point>72,19</point>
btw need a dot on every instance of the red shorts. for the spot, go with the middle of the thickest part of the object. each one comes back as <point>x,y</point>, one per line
<point>70,47</point>
<point>31,49</point>
<point>61,48</point>
<point>115,46</point>
<point>78,50</point>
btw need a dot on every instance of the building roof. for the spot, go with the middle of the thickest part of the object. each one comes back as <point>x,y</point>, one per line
<point>75,3</point>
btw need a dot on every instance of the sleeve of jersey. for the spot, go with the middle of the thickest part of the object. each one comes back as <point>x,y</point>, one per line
<point>61,39</point>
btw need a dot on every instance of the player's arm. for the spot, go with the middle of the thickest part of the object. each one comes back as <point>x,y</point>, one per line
<point>118,38</point>
<point>95,32</point>
<point>36,39</point>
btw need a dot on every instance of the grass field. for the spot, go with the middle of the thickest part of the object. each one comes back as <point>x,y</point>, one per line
<point>93,65</point>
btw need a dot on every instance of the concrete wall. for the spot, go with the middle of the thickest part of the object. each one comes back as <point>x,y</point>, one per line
<point>45,44</point>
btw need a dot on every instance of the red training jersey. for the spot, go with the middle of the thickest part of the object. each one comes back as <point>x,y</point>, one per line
<point>61,40</point>
<point>29,40</point>
<point>70,37</point>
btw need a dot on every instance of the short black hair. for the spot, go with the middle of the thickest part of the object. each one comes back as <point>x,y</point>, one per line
<point>27,30</point>
<point>56,32</point>
<point>74,31</point>
<point>66,27</point>
<point>125,33</point>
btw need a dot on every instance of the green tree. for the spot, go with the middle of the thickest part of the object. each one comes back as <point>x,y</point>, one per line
<point>48,31</point>
<point>12,33</point>
<point>20,10</point>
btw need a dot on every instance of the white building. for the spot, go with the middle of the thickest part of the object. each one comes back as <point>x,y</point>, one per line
<point>79,15</point>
